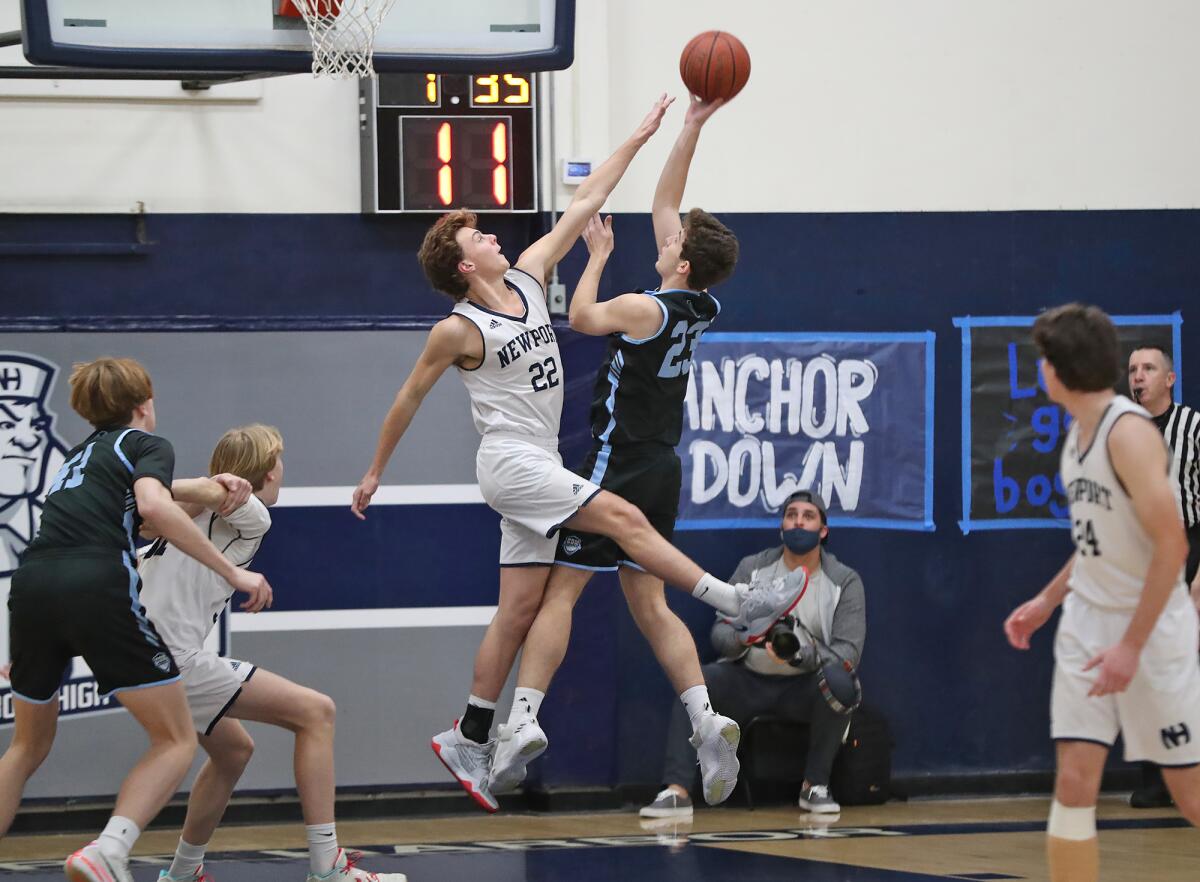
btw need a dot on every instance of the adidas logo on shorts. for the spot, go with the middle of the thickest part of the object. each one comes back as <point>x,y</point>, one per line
<point>495,324</point>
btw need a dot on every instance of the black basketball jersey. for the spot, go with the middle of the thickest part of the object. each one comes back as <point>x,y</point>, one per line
<point>91,503</point>
<point>641,385</point>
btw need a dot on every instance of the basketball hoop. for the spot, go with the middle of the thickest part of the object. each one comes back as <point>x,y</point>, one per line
<point>342,31</point>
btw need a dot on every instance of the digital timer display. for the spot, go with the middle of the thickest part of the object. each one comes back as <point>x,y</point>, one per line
<point>443,141</point>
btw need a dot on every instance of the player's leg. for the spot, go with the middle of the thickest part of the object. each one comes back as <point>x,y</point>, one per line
<point>310,716</point>
<point>714,736</point>
<point>34,725</point>
<point>750,611</point>
<point>522,740</point>
<point>1072,848</point>
<point>1184,784</point>
<point>229,748</point>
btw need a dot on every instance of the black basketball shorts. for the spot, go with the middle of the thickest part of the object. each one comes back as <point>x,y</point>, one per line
<point>649,476</point>
<point>82,602</point>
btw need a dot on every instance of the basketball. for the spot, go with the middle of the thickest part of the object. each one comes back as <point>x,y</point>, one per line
<point>714,65</point>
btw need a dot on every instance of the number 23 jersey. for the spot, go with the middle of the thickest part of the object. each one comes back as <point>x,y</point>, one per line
<point>518,387</point>
<point>1113,550</point>
<point>640,389</point>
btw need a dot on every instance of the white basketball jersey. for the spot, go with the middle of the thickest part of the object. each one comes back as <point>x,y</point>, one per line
<point>1113,549</point>
<point>519,386</point>
<point>183,597</point>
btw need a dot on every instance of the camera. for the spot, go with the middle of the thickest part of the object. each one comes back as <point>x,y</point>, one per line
<point>782,637</point>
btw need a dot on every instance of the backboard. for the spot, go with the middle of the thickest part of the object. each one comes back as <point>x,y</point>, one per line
<point>443,36</point>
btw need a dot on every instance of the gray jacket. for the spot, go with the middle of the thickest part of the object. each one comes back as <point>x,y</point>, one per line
<point>843,615</point>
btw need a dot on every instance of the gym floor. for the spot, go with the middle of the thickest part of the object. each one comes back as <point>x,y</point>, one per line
<point>981,840</point>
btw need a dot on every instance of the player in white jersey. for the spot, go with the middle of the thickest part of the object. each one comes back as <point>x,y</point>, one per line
<point>184,602</point>
<point>1125,652</point>
<point>500,339</point>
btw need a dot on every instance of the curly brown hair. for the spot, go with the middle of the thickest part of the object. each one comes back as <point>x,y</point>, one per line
<point>709,247</point>
<point>1081,342</point>
<point>440,253</point>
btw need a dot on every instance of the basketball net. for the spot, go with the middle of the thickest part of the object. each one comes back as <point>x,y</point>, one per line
<point>343,33</point>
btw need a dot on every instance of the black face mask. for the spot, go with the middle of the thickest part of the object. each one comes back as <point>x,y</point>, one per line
<point>799,540</point>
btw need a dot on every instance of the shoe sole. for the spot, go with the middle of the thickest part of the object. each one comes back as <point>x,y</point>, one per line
<point>528,754</point>
<point>718,791</point>
<point>665,813</point>
<point>820,809</point>
<point>89,872</point>
<point>792,606</point>
<point>466,785</point>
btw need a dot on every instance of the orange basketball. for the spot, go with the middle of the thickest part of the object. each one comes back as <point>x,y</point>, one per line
<point>714,65</point>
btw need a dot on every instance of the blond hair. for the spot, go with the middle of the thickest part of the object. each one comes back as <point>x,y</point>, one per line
<point>105,391</point>
<point>248,452</point>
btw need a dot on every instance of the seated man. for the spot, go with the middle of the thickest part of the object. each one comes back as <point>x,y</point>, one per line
<point>830,623</point>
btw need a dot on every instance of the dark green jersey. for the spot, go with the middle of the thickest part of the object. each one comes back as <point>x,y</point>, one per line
<point>90,504</point>
<point>639,391</point>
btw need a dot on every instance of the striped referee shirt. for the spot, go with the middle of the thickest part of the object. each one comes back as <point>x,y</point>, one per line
<point>1180,426</point>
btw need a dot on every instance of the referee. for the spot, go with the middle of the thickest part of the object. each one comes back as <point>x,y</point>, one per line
<point>1152,381</point>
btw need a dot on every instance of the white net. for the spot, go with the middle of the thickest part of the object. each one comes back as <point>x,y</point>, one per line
<point>343,34</point>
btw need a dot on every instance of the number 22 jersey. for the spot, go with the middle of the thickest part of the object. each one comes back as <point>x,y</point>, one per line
<point>1113,550</point>
<point>518,387</point>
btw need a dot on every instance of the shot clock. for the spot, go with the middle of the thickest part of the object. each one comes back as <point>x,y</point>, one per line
<point>433,142</point>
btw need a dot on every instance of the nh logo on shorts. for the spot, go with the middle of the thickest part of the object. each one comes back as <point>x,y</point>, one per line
<point>1176,736</point>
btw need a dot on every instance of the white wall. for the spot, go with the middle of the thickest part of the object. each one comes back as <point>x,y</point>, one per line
<point>869,106</point>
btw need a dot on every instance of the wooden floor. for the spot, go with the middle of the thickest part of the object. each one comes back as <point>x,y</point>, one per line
<point>979,840</point>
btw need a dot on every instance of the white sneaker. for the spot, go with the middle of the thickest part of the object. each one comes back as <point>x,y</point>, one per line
<point>344,870</point>
<point>765,603</point>
<point>816,799</point>
<point>716,742</point>
<point>468,762</point>
<point>516,748</point>
<point>90,864</point>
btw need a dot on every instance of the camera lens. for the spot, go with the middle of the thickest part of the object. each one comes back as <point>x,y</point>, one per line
<point>784,642</point>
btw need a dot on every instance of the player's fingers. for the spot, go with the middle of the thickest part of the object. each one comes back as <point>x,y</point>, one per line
<point>1093,662</point>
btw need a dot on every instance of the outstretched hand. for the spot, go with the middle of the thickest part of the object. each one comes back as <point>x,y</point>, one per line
<point>598,235</point>
<point>653,119</point>
<point>700,110</point>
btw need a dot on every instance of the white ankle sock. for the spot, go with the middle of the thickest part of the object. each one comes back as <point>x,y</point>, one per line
<point>188,859</point>
<point>718,594</point>
<point>695,701</point>
<point>322,848</point>
<point>117,838</point>
<point>526,703</point>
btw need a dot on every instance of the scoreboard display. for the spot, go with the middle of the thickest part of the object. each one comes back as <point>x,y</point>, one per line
<point>434,142</point>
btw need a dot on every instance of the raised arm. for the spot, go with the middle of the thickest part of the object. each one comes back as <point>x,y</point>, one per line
<point>542,255</point>
<point>637,315</point>
<point>1139,457</point>
<point>168,520</point>
<point>668,195</point>
<point>453,340</point>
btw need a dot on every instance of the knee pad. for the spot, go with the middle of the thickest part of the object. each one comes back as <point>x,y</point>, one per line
<point>1075,824</point>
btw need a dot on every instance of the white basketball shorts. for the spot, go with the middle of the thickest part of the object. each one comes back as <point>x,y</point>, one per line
<point>523,479</point>
<point>1159,713</point>
<point>211,682</point>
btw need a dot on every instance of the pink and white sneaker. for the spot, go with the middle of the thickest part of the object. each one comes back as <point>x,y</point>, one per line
<point>344,870</point>
<point>469,762</point>
<point>90,864</point>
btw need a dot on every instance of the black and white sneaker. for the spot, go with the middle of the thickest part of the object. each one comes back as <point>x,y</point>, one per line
<point>668,804</point>
<point>816,799</point>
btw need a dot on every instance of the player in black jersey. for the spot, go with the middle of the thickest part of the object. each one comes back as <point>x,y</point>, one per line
<point>76,594</point>
<point>637,418</point>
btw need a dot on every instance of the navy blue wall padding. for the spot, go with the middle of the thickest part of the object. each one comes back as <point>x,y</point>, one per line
<point>936,662</point>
